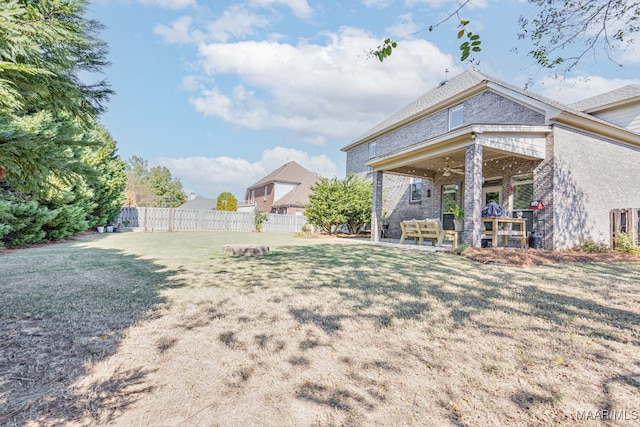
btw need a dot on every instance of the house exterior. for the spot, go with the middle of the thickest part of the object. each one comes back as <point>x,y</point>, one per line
<point>199,203</point>
<point>475,138</point>
<point>284,191</point>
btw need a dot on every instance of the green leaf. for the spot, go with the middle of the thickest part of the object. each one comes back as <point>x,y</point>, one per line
<point>460,34</point>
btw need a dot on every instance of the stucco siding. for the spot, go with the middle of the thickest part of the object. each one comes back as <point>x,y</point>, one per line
<point>592,175</point>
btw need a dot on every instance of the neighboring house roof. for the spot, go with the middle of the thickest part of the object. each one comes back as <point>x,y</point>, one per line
<point>621,96</point>
<point>299,196</point>
<point>469,83</point>
<point>291,173</point>
<point>199,203</point>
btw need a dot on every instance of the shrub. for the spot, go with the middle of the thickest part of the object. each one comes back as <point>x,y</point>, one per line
<point>460,249</point>
<point>259,218</point>
<point>625,242</point>
<point>23,220</point>
<point>591,246</point>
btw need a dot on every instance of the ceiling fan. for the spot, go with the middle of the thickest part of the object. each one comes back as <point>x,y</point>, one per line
<point>448,170</point>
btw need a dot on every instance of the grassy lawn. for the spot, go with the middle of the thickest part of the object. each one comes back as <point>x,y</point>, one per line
<point>162,329</point>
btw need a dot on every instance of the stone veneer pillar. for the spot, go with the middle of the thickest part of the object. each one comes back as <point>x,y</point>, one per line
<point>472,234</point>
<point>376,207</point>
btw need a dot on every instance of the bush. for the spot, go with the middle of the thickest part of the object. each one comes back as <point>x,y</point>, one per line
<point>22,220</point>
<point>591,246</point>
<point>460,249</point>
<point>625,242</point>
<point>259,218</point>
<point>334,202</point>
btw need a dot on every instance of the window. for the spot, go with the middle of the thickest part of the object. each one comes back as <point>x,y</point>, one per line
<point>372,149</point>
<point>415,190</point>
<point>522,191</point>
<point>456,114</point>
<point>252,196</point>
<point>448,197</point>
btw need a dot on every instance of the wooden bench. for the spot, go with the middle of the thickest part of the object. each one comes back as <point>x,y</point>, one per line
<point>427,230</point>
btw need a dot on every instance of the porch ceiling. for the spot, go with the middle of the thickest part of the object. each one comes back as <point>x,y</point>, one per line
<point>455,159</point>
<point>433,157</point>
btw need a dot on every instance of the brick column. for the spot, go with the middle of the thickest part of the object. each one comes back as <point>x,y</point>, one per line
<point>376,208</point>
<point>473,196</point>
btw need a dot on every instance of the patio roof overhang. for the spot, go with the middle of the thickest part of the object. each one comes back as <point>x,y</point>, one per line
<point>428,157</point>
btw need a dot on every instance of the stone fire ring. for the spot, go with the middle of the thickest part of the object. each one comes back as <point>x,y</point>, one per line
<point>245,250</point>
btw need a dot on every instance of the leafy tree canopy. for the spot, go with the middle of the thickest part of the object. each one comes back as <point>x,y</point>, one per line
<point>227,202</point>
<point>334,202</point>
<point>153,187</point>
<point>561,33</point>
<point>59,172</point>
<point>44,47</point>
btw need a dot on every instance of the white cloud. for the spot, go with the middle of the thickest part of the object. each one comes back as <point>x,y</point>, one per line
<point>273,158</point>
<point>178,32</point>
<point>378,4</point>
<point>170,4</point>
<point>300,8</point>
<point>440,3</point>
<point>236,21</point>
<point>404,25</point>
<point>317,90</point>
<point>627,53</point>
<point>577,88</point>
<point>210,176</point>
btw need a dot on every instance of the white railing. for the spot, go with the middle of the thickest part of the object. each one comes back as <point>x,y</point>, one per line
<point>168,219</point>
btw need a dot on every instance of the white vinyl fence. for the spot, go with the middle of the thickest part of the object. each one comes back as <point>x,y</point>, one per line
<point>168,219</point>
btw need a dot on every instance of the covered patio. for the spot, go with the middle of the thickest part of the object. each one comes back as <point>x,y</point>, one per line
<point>467,167</point>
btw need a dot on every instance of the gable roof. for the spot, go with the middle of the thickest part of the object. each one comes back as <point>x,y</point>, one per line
<point>469,83</point>
<point>291,173</point>
<point>620,96</point>
<point>199,203</point>
<point>299,196</point>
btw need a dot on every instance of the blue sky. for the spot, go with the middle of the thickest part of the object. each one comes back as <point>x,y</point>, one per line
<point>224,92</point>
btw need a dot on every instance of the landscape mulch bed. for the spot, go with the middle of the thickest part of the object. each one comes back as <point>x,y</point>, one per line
<point>533,257</point>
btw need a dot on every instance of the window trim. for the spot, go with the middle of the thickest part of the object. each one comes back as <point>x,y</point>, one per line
<point>524,179</point>
<point>414,182</point>
<point>452,114</point>
<point>448,189</point>
<point>373,149</point>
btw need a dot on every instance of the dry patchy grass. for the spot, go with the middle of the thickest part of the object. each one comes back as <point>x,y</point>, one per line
<point>161,329</point>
